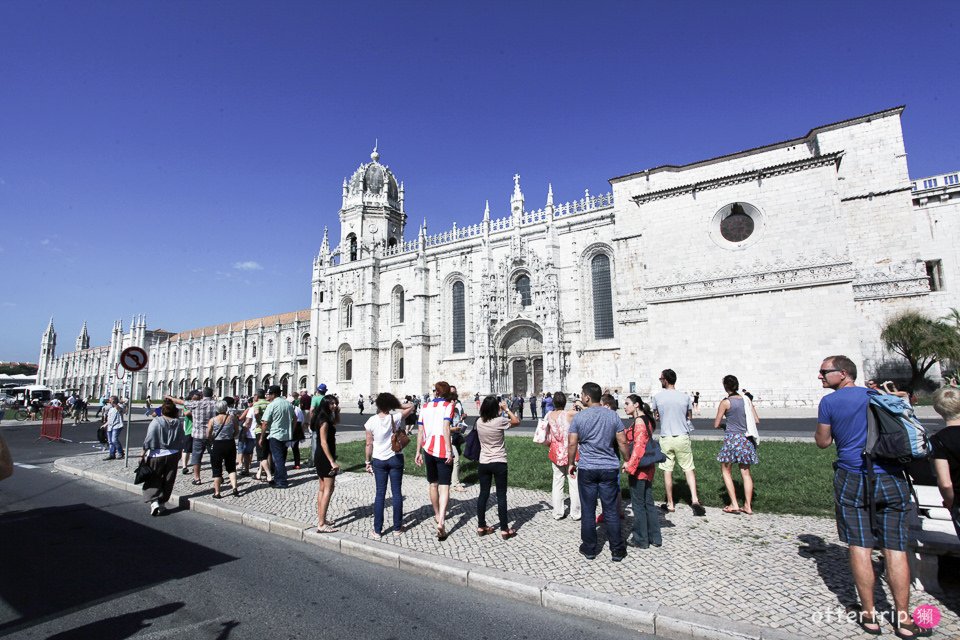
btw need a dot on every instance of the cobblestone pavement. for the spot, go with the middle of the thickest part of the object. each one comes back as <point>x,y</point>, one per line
<point>779,571</point>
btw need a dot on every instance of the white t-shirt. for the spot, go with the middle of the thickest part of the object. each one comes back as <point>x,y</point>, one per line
<point>382,429</point>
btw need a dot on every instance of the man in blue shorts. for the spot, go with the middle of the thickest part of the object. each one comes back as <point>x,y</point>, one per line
<point>842,419</point>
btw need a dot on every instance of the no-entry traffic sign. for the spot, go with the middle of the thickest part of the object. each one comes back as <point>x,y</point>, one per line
<point>133,359</point>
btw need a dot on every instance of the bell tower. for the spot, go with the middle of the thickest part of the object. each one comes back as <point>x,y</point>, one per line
<point>372,211</point>
<point>48,350</point>
<point>83,340</point>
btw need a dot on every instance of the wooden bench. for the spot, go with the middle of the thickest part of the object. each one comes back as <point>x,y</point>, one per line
<point>932,536</point>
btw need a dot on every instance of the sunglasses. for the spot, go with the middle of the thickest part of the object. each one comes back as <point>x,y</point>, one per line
<point>824,372</point>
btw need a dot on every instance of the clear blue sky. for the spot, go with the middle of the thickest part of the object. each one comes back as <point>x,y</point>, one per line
<point>149,149</point>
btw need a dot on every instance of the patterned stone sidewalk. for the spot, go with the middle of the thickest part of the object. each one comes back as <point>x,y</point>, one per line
<point>782,572</point>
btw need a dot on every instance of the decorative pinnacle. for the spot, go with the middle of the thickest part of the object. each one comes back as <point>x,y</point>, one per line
<point>549,194</point>
<point>375,156</point>
<point>486,212</point>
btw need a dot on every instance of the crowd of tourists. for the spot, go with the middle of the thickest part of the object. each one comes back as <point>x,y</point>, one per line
<point>587,445</point>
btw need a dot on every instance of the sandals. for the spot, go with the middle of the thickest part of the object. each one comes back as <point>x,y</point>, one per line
<point>729,509</point>
<point>217,496</point>
<point>899,628</point>
<point>196,483</point>
<point>862,621</point>
<point>327,529</point>
<point>485,531</point>
<point>236,493</point>
<point>441,533</point>
<point>667,508</point>
<point>509,533</point>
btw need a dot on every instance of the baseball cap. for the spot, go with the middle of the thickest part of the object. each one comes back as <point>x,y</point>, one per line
<point>322,388</point>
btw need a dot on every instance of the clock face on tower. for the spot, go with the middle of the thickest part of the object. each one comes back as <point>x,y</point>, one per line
<point>373,228</point>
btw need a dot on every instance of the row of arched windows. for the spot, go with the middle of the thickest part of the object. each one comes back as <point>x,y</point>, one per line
<point>397,306</point>
<point>345,362</point>
<point>287,350</point>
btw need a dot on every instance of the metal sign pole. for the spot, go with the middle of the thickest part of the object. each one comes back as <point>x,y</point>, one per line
<point>126,446</point>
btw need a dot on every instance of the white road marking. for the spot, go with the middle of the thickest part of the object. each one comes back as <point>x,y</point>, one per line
<point>25,466</point>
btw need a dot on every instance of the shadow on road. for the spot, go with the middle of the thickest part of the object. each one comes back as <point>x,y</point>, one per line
<point>58,560</point>
<point>118,627</point>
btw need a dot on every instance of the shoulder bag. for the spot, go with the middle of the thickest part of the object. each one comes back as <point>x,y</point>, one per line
<point>652,453</point>
<point>399,439</point>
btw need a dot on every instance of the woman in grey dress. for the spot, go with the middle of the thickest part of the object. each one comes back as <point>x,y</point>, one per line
<point>737,447</point>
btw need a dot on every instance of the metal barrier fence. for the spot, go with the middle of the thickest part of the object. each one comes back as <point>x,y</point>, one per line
<point>52,427</point>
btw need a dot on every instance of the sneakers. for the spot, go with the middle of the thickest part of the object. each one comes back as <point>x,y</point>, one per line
<point>588,556</point>
<point>109,458</point>
<point>618,557</point>
<point>186,471</point>
<point>154,508</point>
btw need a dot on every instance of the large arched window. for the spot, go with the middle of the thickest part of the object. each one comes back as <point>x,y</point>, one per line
<point>304,345</point>
<point>398,305</point>
<point>269,348</point>
<point>522,286</point>
<point>458,313</point>
<point>346,314</point>
<point>288,346</point>
<point>602,297</point>
<point>253,349</point>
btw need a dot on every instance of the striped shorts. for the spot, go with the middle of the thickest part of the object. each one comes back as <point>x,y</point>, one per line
<point>892,496</point>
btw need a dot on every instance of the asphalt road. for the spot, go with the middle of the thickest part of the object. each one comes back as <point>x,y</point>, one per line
<point>801,428</point>
<point>79,560</point>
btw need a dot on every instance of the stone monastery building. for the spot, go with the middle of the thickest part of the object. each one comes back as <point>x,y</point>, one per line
<point>757,263</point>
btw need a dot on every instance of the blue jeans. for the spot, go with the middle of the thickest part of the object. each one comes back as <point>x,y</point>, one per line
<point>646,517</point>
<point>278,451</point>
<point>382,469</point>
<point>113,437</point>
<point>605,485</point>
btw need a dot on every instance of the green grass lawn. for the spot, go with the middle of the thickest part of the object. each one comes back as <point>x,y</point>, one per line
<point>792,477</point>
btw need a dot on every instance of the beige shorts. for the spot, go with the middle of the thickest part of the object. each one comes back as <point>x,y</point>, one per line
<point>678,450</point>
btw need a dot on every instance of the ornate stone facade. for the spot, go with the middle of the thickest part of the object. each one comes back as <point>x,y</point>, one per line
<point>758,263</point>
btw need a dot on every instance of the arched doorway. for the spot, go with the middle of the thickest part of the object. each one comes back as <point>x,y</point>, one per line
<point>520,359</point>
<point>285,384</point>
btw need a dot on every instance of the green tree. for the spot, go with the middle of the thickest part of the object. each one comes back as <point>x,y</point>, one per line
<point>922,341</point>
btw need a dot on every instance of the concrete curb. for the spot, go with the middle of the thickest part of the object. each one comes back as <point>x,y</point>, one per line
<point>635,615</point>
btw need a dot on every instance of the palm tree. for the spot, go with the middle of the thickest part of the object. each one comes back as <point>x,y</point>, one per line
<point>922,341</point>
<point>953,318</point>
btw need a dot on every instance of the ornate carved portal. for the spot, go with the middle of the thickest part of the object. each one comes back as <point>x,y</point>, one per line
<point>519,358</point>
